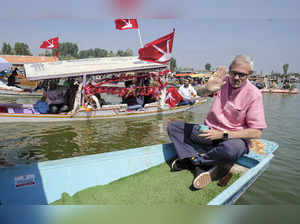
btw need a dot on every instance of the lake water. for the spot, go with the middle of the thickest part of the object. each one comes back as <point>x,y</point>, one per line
<point>279,184</point>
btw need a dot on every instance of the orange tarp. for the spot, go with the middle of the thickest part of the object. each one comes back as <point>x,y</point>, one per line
<point>20,59</point>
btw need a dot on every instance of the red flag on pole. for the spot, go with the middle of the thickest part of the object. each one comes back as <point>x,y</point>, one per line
<point>50,44</point>
<point>158,51</point>
<point>125,24</point>
<point>173,97</point>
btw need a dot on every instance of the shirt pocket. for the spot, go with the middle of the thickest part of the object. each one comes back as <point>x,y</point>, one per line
<point>234,113</point>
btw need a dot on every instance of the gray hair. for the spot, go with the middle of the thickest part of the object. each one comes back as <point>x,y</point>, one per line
<point>242,59</point>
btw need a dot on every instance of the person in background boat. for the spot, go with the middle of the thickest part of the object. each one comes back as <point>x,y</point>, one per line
<point>55,96</point>
<point>138,83</point>
<point>11,81</point>
<point>71,90</point>
<point>286,83</point>
<point>130,97</point>
<point>43,85</point>
<point>149,98</point>
<point>94,101</point>
<point>235,117</point>
<point>187,92</point>
<point>266,82</point>
<point>274,84</point>
<point>41,106</point>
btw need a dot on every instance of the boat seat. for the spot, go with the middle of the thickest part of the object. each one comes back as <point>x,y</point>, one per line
<point>115,106</point>
<point>10,110</point>
<point>154,104</point>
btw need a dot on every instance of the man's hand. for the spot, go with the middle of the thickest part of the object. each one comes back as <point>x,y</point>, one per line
<point>216,81</point>
<point>211,134</point>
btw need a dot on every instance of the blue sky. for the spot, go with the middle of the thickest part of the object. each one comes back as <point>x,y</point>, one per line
<point>211,31</point>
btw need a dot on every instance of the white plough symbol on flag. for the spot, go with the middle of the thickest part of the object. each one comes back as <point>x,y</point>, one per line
<point>169,96</point>
<point>128,24</point>
<point>51,44</point>
<point>166,55</point>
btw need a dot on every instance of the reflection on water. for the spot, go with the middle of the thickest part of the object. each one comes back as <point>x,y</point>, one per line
<point>25,142</point>
<point>280,184</point>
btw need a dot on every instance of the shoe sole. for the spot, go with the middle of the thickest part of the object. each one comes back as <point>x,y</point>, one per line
<point>173,164</point>
<point>203,179</point>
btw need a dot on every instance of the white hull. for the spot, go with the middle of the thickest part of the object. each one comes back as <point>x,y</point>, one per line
<point>19,93</point>
<point>82,115</point>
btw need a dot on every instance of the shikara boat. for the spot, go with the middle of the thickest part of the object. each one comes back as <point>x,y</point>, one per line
<point>90,70</point>
<point>44,182</point>
<point>26,113</point>
<point>285,91</point>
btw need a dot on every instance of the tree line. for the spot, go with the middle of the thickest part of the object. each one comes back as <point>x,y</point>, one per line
<point>67,50</point>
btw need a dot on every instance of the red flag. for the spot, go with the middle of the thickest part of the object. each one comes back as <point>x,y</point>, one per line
<point>125,24</point>
<point>173,97</point>
<point>158,51</point>
<point>50,44</point>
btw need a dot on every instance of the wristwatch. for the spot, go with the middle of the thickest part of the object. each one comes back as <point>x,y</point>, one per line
<point>225,135</point>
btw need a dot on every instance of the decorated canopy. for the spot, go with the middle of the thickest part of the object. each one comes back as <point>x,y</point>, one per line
<point>90,66</point>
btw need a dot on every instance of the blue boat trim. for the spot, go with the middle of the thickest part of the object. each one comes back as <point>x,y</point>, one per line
<point>44,182</point>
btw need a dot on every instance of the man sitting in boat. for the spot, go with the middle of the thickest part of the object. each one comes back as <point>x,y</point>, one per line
<point>56,100</point>
<point>11,80</point>
<point>286,83</point>
<point>188,93</point>
<point>130,97</point>
<point>235,117</point>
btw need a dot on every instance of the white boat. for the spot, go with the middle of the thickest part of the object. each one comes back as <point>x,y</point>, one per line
<point>284,91</point>
<point>26,113</point>
<point>87,68</point>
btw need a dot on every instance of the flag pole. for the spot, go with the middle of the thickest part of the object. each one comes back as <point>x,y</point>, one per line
<point>139,33</point>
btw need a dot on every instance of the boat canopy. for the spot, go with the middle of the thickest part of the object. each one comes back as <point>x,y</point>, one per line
<point>90,66</point>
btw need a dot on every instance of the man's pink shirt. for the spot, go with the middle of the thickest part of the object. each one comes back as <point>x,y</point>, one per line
<point>236,109</point>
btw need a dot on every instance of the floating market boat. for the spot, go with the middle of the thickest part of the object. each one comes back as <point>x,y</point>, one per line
<point>286,91</point>
<point>96,76</point>
<point>44,182</point>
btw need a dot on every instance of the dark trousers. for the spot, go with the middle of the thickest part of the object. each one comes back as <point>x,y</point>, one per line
<point>57,108</point>
<point>188,144</point>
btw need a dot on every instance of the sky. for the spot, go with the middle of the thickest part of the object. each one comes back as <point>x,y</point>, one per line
<point>211,31</point>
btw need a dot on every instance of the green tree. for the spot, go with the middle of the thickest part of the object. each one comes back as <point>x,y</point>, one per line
<point>207,66</point>
<point>128,52</point>
<point>285,68</point>
<point>100,53</point>
<point>120,53</point>
<point>21,49</point>
<point>83,54</point>
<point>173,65</point>
<point>111,54</point>
<point>6,49</point>
<point>67,50</point>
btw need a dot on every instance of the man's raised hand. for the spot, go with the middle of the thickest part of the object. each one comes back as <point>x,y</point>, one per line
<point>216,81</point>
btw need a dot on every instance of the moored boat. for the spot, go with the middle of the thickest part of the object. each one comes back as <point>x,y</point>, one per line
<point>44,182</point>
<point>286,91</point>
<point>97,76</point>
<point>11,113</point>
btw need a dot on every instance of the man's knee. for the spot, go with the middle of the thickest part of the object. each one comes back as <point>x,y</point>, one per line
<point>233,149</point>
<point>174,125</point>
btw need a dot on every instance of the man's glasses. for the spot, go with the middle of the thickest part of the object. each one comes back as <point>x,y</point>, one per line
<point>240,74</point>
